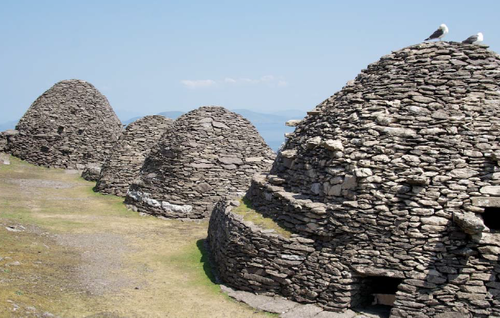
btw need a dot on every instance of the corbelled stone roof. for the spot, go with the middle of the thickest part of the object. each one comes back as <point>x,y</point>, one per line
<point>438,97</point>
<point>390,178</point>
<point>129,153</point>
<point>208,153</point>
<point>68,126</point>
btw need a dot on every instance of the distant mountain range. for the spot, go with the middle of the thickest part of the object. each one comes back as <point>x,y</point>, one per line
<point>270,126</point>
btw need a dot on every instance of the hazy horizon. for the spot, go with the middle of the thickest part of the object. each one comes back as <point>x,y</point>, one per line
<point>270,126</point>
<point>267,57</point>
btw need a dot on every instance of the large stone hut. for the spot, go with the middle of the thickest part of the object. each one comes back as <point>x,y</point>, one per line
<point>128,155</point>
<point>391,188</point>
<point>207,153</point>
<point>68,126</point>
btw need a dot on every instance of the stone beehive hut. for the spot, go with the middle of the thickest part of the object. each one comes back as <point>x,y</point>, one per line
<point>129,153</point>
<point>392,190</point>
<point>207,153</point>
<point>68,126</point>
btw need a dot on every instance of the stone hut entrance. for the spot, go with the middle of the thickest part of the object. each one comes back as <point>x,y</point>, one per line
<point>491,218</point>
<point>376,292</point>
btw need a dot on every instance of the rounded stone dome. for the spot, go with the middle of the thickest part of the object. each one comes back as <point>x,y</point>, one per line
<point>391,188</point>
<point>129,153</point>
<point>208,153</point>
<point>419,113</point>
<point>68,126</point>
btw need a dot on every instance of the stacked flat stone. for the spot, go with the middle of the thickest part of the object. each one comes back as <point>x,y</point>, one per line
<point>91,172</point>
<point>68,126</point>
<point>3,142</point>
<point>125,162</point>
<point>208,153</point>
<point>388,178</point>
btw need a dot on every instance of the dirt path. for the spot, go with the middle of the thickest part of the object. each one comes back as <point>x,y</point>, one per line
<point>68,252</point>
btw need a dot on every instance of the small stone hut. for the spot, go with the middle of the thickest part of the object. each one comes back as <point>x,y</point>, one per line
<point>391,188</point>
<point>68,126</point>
<point>207,153</point>
<point>128,155</point>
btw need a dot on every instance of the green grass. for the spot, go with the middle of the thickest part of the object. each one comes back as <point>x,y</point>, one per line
<point>249,214</point>
<point>164,258</point>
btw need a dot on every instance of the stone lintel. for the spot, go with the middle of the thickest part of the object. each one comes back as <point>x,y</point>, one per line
<point>486,202</point>
<point>371,271</point>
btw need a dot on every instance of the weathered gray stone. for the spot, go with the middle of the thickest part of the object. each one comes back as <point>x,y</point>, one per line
<point>335,145</point>
<point>91,172</point>
<point>293,122</point>
<point>289,154</point>
<point>122,167</point>
<point>463,173</point>
<point>486,201</point>
<point>313,142</point>
<point>452,314</point>
<point>434,220</point>
<point>419,131</point>
<point>68,126</point>
<point>307,311</point>
<point>4,159</point>
<point>487,238</point>
<point>397,131</point>
<point>469,223</point>
<point>350,182</point>
<point>491,190</point>
<point>198,159</point>
<point>362,172</point>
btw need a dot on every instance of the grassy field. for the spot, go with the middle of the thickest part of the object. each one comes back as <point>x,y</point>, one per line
<point>249,214</point>
<point>66,251</point>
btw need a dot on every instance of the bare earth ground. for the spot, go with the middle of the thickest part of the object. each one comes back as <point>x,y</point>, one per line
<point>66,251</point>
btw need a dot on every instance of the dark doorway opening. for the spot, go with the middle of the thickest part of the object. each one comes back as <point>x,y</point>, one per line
<point>376,294</point>
<point>491,218</point>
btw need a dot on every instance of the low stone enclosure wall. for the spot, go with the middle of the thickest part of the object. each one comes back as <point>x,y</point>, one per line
<point>346,273</point>
<point>395,179</point>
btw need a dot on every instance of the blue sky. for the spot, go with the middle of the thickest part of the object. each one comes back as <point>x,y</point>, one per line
<point>267,56</point>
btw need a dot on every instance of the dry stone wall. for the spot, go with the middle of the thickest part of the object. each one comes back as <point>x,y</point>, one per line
<point>396,178</point>
<point>3,142</point>
<point>259,260</point>
<point>68,126</point>
<point>91,172</point>
<point>207,153</point>
<point>252,259</point>
<point>128,155</point>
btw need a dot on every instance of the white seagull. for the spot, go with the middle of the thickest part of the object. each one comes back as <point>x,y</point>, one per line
<point>439,33</point>
<point>474,39</point>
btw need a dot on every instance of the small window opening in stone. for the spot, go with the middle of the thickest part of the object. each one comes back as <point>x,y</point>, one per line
<point>377,293</point>
<point>60,129</point>
<point>80,131</point>
<point>44,149</point>
<point>491,218</point>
